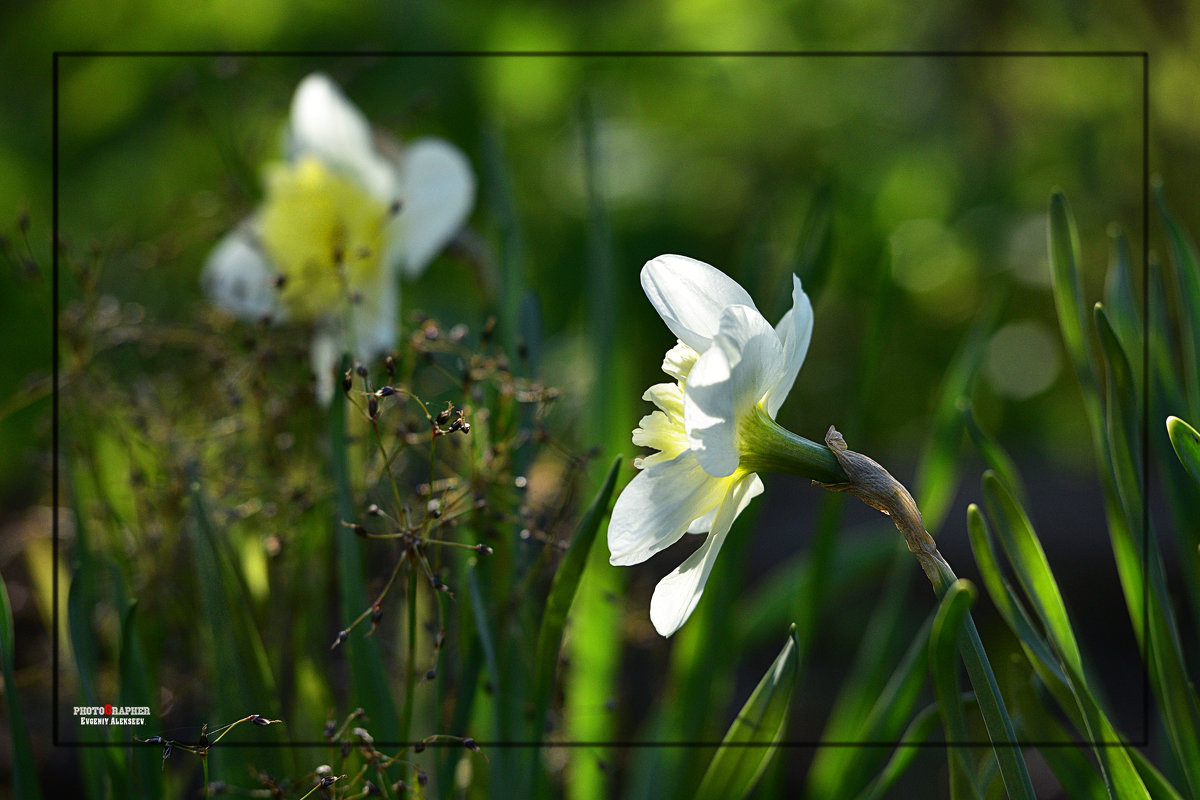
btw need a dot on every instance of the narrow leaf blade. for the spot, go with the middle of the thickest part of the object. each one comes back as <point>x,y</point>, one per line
<point>758,727</point>
<point>563,589</point>
<point>1187,277</point>
<point>1033,570</point>
<point>24,769</point>
<point>944,641</point>
<point>1186,442</point>
<point>369,681</point>
<point>1068,289</point>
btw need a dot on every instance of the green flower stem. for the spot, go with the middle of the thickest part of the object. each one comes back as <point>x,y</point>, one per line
<point>768,447</point>
<point>874,485</point>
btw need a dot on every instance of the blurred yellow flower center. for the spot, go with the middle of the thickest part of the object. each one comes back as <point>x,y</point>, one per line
<point>323,234</point>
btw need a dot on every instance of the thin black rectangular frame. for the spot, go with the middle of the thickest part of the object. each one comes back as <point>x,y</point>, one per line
<point>1142,56</point>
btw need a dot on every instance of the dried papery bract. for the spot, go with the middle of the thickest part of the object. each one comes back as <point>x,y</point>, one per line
<point>876,487</point>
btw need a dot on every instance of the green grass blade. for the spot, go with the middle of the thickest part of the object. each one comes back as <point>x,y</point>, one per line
<point>1076,773</point>
<point>1122,416</point>
<point>1167,392</point>
<point>759,725</point>
<point>919,731</point>
<point>809,600</point>
<point>1063,678</point>
<point>1066,683</point>
<point>370,680</point>
<point>860,691</point>
<point>562,593</point>
<point>483,626</point>
<point>1123,504</point>
<point>512,249</point>
<point>1005,600</point>
<point>234,696</point>
<point>239,660</point>
<point>563,589</point>
<point>596,625</point>
<point>228,612</point>
<point>999,726</point>
<point>1168,674</point>
<point>997,460</point>
<point>704,663</point>
<point>143,763</point>
<point>1024,550</point>
<point>814,255</point>
<point>25,782</point>
<point>94,763</point>
<point>1120,774</point>
<point>1156,783</point>
<point>771,603</point>
<point>1166,399</point>
<point>1068,292</point>
<point>895,703</point>
<point>506,667</point>
<point>939,465</point>
<point>1182,483</point>
<point>1186,442</point>
<point>844,772</point>
<point>1119,294</point>
<point>1173,688</point>
<point>1064,250</point>
<point>944,641</point>
<point>1187,275</point>
<point>1072,696</point>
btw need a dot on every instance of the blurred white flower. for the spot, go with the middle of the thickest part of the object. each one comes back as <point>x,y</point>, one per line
<point>732,371</point>
<point>339,221</point>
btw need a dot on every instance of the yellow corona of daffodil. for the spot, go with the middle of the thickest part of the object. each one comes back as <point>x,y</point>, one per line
<point>714,426</point>
<point>339,222</point>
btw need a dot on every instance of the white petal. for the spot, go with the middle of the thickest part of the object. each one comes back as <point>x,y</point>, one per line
<point>705,523</point>
<point>668,397</point>
<point>641,462</point>
<point>373,319</point>
<point>325,356</point>
<point>658,431</point>
<point>676,595</point>
<point>679,360</point>
<point>238,278</point>
<point>327,125</point>
<point>437,192</point>
<point>744,362</point>
<point>795,332</point>
<point>689,295</point>
<point>657,506</point>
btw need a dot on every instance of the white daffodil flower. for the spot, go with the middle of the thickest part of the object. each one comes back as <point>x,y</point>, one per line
<point>714,426</point>
<point>341,218</point>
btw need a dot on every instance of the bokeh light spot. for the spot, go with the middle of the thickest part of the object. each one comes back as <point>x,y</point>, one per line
<point>936,267</point>
<point>1023,360</point>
